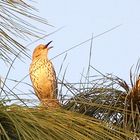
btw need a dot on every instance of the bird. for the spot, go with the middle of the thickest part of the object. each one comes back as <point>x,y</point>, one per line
<point>43,76</point>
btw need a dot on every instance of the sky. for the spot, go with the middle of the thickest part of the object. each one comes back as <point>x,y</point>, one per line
<point>114,52</point>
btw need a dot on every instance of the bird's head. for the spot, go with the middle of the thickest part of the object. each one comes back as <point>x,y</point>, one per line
<point>41,50</point>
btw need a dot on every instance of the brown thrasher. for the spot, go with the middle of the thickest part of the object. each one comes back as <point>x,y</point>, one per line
<point>43,76</point>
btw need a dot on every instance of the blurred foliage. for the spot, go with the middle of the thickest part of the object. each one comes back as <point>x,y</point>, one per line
<point>14,24</point>
<point>111,100</point>
<point>21,123</point>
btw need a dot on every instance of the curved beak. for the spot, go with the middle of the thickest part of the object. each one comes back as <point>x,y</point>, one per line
<point>48,45</point>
